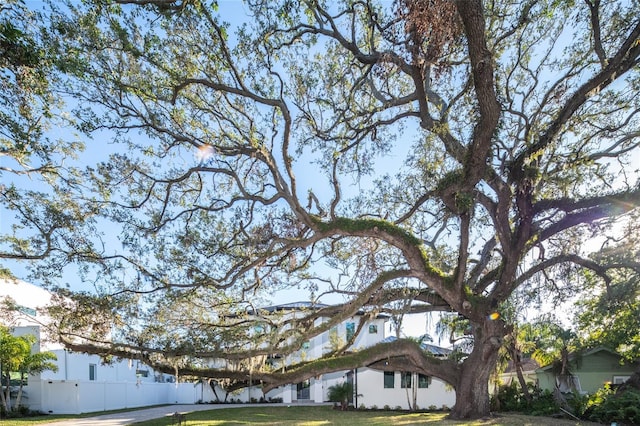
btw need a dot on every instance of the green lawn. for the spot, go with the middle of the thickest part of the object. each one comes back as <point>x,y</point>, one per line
<point>316,416</point>
<point>27,421</point>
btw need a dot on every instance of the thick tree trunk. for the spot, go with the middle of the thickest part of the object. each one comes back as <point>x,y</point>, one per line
<point>472,389</point>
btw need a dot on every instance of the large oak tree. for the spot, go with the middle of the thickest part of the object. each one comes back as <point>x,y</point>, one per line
<point>440,152</point>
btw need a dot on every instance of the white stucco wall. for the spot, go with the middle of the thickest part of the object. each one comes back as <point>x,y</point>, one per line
<point>371,392</point>
<point>75,366</point>
<point>75,397</point>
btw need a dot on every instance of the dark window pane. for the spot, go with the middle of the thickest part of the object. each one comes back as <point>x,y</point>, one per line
<point>389,379</point>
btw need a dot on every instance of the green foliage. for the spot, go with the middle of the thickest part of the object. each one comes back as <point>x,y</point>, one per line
<point>511,398</point>
<point>16,357</point>
<point>342,393</point>
<point>610,316</point>
<point>577,403</point>
<point>14,351</point>
<point>607,406</point>
<point>336,341</point>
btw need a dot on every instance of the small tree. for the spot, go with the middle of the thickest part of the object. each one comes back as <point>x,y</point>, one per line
<point>34,364</point>
<point>13,351</point>
<point>341,393</point>
<point>16,357</point>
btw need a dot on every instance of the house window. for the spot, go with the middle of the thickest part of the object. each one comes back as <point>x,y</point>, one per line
<point>306,345</point>
<point>373,329</point>
<point>351,330</point>
<point>423,381</point>
<point>405,380</point>
<point>93,370</point>
<point>618,380</point>
<point>142,373</point>
<point>26,310</point>
<point>389,377</point>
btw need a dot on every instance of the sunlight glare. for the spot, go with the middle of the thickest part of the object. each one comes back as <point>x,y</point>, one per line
<point>205,153</point>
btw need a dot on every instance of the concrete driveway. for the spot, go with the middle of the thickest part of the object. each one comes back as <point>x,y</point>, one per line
<point>129,417</point>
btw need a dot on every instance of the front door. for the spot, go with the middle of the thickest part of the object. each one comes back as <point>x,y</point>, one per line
<point>303,389</point>
<point>350,381</point>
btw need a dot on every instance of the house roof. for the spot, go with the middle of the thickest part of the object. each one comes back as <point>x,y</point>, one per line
<point>432,349</point>
<point>528,364</point>
<point>293,306</point>
<point>572,356</point>
<point>300,306</point>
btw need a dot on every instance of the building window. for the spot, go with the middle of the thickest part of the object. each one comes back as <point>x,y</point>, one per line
<point>351,330</point>
<point>306,345</point>
<point>373,329</point>
<point>405,380</point>
<point>26,310</point>
<point>142,373</point>
<point>423,381</point>
<point>93,370</point>
<point>618,380</point>
<point>389,377</point>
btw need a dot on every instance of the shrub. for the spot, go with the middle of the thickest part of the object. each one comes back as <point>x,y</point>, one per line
<point>511,398</point>
<point>19,412</point>
<point>606,406</point>
<point>341,393</point>
<point>578,403</point>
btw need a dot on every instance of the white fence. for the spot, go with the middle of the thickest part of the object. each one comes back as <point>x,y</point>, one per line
<point>75,397</point>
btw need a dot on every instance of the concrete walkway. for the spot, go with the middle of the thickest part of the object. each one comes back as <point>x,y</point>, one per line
<point>129,417</point>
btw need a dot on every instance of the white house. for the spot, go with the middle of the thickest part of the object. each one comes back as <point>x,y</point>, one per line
<point>83,383</point>
<point>372,388</point>
<point>405,389</point>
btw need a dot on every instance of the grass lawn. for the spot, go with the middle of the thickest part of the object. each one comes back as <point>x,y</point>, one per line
<point>317,416</point>
<point>314,416</point>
